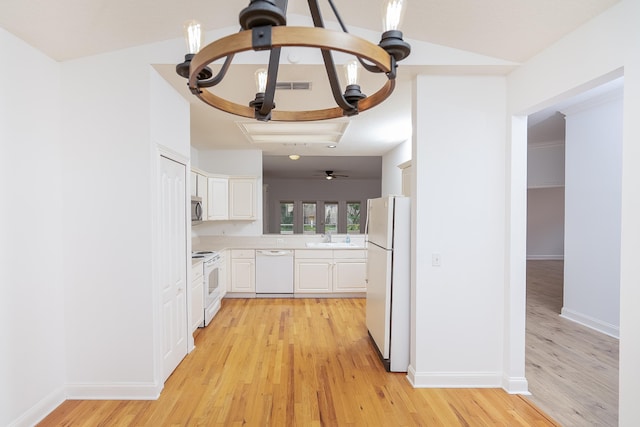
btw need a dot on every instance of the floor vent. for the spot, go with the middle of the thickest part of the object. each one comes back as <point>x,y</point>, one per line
<point>293,86</point>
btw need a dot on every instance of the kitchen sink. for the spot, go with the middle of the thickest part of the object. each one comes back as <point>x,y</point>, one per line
<point>331,245</point>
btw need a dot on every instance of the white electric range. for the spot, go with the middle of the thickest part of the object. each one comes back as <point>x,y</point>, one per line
<point>213,263</point>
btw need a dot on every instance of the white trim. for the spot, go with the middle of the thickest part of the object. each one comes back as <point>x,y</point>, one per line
<point>614,95</point>
<point>516,385</point>
<point>37,412</point>
<point>591,322</point>
<point>545,257</point>
<point>454,379</point>
<point>173,155</point>
<point>122,391</point>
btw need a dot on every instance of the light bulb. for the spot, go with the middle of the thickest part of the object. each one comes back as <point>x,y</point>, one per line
<point>193,36</point>
<point>351,72</point>
<point>261,80</point>
<point>392,14</point>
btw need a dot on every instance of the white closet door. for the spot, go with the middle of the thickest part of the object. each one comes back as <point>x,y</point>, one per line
<point>173,256</point>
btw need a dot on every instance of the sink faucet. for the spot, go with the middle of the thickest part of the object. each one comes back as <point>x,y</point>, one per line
<point>326,237</point>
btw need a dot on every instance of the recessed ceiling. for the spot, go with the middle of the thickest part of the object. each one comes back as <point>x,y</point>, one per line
<point>293,133</point>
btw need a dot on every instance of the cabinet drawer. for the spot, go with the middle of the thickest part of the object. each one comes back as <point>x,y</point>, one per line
<point>313,253</point>
<point>350,253</point>
<point>243,253</point>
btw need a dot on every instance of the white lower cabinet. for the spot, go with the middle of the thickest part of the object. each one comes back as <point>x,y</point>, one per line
<point>330,271</point>
<point>350,270</point>
<point>313,275</point>
<point>243,270</point>
<point>197,296</point>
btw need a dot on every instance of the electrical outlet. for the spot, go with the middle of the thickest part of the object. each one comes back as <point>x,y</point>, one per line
<point>436,260</point>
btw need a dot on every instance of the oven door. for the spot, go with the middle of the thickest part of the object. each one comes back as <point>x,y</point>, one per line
<point>213,281</point>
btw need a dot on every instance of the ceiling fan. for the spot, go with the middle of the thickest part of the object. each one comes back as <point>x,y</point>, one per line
<point>330,175</point>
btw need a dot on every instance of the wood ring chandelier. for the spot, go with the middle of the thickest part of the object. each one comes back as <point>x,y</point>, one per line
<point>263,27</point>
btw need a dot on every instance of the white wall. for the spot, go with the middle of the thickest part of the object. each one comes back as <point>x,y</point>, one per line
<point>458,213</point>
<point>109,186</point>
<point>32,365</point>
<point>545,223</point>
<point>238,163</point>
<point>592,230</point>
<point>596,52</point>
<point>348,190</point>
<point>391,173</point>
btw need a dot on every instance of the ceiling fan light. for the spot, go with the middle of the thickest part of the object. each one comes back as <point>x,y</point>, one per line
<point>294,156</point>
<point>329,177</point>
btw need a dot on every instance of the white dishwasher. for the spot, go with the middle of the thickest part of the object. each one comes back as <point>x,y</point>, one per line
<point>274,272</point>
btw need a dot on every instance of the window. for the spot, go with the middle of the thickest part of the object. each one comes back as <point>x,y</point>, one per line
<point>331,217</point>
<point>309,218</point>
<point>353,217</point>
<point>318,216</point>
<point>286,217</point>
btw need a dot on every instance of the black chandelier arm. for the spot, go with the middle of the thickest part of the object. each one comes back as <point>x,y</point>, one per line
<point>329,64</point>
<point>337,15</point>
<point>272,78</point>
<point>336,91</point>
<point>218,77</point>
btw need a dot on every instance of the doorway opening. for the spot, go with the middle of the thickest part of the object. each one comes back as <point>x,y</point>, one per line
<point>573,205</point>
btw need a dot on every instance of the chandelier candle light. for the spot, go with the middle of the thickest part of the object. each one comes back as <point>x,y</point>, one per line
<point>263,27</point>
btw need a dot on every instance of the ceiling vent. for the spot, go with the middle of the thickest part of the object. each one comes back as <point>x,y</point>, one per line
<point>293,86</point>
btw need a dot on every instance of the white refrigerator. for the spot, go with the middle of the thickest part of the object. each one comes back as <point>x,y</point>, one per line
<point>389,279</point>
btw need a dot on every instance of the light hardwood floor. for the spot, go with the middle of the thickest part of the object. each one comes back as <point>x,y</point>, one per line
<point>572,370</point>
<point>297,362</point>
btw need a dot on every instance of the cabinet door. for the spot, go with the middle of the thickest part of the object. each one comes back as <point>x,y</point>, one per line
<point>350,276</point>
<point>218,202</point>
<point>203,194</point>
<point>242,198</point>
<point>313,275</point>
<point>243,276</point>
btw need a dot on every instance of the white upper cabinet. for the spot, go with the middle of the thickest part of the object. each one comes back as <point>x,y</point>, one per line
<point>202,192</point>
<point>194,184</point>
<point>242,198</point>
<point>218,202</point>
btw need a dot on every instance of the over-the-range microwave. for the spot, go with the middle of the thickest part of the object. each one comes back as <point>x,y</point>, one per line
<point>196,210</point>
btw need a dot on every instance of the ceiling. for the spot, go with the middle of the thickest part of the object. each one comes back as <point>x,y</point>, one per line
<point>511,30</point>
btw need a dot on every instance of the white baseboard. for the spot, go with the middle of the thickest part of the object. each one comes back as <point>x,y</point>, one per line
<point>516,385</point>
<point>591,322</point>
<point>545,257</point>
<point>125,391</point>
<point>37,412</point>
<point>454,379</point>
